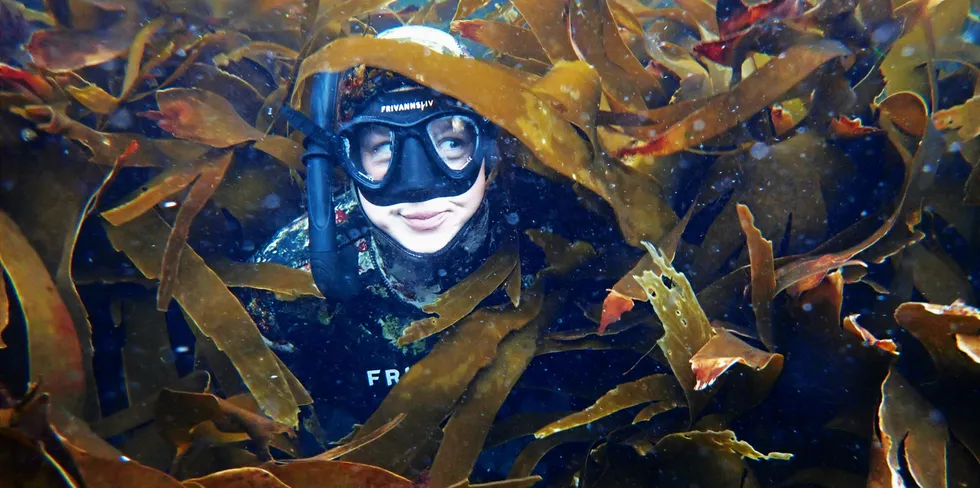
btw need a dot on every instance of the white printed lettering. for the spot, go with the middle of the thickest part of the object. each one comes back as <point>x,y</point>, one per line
<point>391,376</point>
<point>373,375</point>
<point>401,107</point>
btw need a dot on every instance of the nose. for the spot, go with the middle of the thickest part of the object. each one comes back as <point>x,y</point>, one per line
<point>416,170</point>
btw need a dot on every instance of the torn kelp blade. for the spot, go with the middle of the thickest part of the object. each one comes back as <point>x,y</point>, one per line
<point>724,441</point>
<point>909,434</point>
<point>686,328</point>
<point>55,353</point>
<point>963,118</point>
<point>627,290</point>
<point>653,388</point>
<point>725,350</point>
<point>763,275</point>
<point>868,339</point>
<point>937,327</point>
<point>214,311</point>
<point>709,459</point>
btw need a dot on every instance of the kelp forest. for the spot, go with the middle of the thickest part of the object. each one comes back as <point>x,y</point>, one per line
<point>796,183</point>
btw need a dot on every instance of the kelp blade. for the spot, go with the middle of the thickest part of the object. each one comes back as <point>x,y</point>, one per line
<point>215,311</point>
<point>54,350</point>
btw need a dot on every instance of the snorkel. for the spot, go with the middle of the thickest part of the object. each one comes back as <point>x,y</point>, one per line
<point>334,269</point>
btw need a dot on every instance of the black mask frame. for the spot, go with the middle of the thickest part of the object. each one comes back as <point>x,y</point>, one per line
<point>417,173</point>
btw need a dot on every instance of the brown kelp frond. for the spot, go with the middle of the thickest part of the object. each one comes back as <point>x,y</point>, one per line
<point>808,171</point>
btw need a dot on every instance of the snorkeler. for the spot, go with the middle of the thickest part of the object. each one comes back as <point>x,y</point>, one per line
<point>428,203</point>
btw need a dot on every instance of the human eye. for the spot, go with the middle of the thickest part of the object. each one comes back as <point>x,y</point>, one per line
<point>451,143</point>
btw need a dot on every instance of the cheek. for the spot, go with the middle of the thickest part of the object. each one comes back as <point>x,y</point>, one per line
<point>381,217</point>
<point>471,200</point>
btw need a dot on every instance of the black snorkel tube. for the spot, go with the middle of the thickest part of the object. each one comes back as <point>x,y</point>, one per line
<point>334,269</point>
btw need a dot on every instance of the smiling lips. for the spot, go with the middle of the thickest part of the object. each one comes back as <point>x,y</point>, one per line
<point>424,220</point>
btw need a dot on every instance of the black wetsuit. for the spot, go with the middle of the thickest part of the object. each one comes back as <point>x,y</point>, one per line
<point>345,353</point>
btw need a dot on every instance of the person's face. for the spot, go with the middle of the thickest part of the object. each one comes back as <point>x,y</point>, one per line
<point>427,227</point>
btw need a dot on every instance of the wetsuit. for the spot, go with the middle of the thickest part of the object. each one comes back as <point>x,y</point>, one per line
<point>345,353</point>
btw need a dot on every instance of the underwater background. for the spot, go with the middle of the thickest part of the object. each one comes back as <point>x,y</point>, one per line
<point>786,195</point>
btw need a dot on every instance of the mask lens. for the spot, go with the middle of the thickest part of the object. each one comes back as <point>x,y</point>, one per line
<point>370,148</point>
<point>454,138</point>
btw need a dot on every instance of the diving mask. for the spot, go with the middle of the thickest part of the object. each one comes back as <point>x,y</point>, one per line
<point>415,145</point>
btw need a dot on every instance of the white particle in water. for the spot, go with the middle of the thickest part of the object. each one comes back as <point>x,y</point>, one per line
<point>698,125</point>
<point>908,51</point>
<point>28,135</point>
<point>271,201</point>
<point>121,120</point>
<point>182,349</point>
<point>759,150</point>
<point>169,204</point>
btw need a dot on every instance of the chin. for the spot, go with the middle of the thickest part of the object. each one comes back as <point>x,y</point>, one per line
<point>425,242</point>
